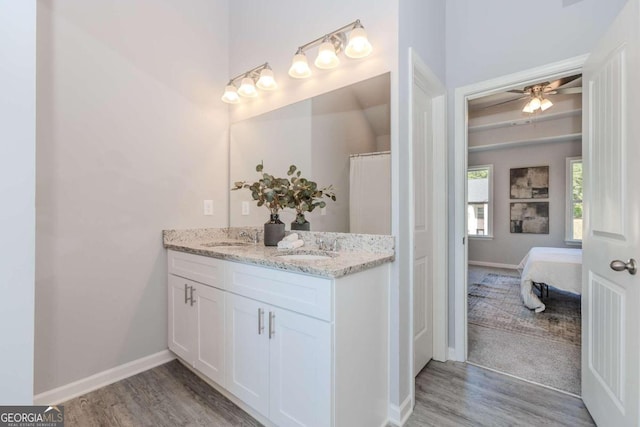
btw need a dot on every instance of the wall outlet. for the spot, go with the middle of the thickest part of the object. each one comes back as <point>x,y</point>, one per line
<point>245,208</point>
<point>208,207</point>
<point>323,211</point>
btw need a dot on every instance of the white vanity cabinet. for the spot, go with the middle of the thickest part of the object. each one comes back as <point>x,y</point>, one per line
<point>279,329</point>
<point>196,313</point>
<point>297,350</point>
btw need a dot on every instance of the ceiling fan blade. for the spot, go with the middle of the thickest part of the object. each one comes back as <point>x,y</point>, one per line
<point>518,91</point>
<point>502,103</point>
<point>561,82</point>
<point>568,90</point>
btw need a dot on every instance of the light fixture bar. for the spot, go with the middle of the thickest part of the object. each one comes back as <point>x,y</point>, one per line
<point>260,77</point>
<point>254,72</point>
<point>320,39</point>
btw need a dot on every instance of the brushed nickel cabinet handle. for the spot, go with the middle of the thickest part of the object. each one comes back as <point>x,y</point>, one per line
<point>272,324</point>
<point>191,296</point>
<point>185,293</point>
<point>260,321</point>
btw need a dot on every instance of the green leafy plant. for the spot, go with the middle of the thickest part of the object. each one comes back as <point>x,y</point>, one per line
<point>305,195</point>
<point>269,191</point>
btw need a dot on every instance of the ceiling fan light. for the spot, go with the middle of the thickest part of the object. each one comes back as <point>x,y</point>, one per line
<point>535,103</point>
<point>527,108</point>
<point>358,46</point>
<point>230,95</point>
<point>248,88</point>
<point>299,66</point>
<point>545,104</point>
<point>327,57</point>
<point>266,80</point>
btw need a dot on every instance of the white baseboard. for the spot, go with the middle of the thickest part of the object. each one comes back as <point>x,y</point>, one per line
<point>101,379</point>
<point>398,415</point>
<point>493,264</point>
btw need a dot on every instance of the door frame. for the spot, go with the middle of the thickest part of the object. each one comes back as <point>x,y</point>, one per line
<point>460,239</point>
<point>419,70</point>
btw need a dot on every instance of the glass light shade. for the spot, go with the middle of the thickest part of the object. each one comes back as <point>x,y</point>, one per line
<point>230,95</point>
<point>527,108</point>
<point>266,80</point>
<point>535,103</point>
<point>358,46</point>
<point>327,57</point>
<point>299,67</point>
<point>545,104</point>
<point>247,88</point>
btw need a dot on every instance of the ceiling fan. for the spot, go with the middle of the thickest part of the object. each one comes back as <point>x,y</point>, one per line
<point>538,93</point>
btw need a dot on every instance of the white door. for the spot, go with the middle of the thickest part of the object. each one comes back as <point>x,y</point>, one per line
<point>300,374</point>
<point>209,318</point>
<point>422,144</point>
<point>247,351</point>
<point>181,333</point>
<point>611,299</point>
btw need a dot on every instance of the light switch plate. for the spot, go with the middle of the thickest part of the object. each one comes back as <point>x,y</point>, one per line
<point>245,208</point>
<point>208,207</point>
<point>323,211</point>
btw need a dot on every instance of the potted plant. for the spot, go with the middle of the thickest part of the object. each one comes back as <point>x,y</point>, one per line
<point>305,196</point>
<point>273,193</point>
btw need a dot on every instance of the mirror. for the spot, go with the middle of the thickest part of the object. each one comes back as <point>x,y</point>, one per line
<point>340,138</point>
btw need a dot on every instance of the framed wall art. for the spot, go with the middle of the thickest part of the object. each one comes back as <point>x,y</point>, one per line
<point>529,183</point>
<point>529,217</point>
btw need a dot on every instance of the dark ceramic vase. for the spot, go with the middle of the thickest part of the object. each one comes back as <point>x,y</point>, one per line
<point>273,231</point>
<point>300,224</point>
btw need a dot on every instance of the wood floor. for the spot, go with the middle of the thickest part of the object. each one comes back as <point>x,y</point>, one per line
<point>447,394</point>
<point>459,394</point>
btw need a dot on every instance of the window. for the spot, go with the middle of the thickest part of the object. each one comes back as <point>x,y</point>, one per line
<point>479,201</point>
<point>574,199</point>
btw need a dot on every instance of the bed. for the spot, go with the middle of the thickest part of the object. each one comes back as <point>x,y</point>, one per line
<point>557,267</point>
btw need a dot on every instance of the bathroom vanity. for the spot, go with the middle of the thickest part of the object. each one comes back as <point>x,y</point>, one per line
<point>296,338</point>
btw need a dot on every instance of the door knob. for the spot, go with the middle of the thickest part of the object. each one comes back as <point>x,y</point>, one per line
<point>630,266</point>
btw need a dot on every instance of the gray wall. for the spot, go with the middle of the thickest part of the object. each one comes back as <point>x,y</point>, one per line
<point>132,137</point>
<point>492,38</point>
<point>17,189</point>
<point>506,247</point>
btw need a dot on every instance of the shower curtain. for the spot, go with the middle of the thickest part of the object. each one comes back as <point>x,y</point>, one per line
<point>370,193</point>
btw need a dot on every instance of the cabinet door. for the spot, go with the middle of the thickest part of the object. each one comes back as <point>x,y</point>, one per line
<point>181,333</point>
<point>209,316</point>
<point>300,370</point>
<point>247,351</point>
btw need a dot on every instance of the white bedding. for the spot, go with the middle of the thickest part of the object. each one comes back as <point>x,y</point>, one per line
<point>557,267</point>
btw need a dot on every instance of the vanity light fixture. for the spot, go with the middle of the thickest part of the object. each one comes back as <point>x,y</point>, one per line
<point>260,77</point>
<point>331,44</point>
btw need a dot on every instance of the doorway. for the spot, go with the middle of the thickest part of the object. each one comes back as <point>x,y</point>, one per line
<point>492,328</point>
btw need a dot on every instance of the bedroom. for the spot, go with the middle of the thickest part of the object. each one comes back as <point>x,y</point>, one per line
<point>524,191</point>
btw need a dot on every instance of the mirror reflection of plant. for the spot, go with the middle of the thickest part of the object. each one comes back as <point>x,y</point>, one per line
<point>269,191</point>
<point>304,195</point>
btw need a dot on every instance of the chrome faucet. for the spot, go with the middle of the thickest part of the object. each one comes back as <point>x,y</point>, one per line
<point>321,245</point>
<point>250,238</point>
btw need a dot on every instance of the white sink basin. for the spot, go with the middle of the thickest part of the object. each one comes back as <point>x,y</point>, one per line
<point>303,257</point>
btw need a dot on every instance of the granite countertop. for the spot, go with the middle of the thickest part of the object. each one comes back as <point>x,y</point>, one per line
<point>358,251</point>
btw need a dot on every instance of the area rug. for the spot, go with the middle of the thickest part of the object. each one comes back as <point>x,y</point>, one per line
<point>506,336</point>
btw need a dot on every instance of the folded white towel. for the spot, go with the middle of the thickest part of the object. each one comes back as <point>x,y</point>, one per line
<point>291,237</point>
<point>290,245</point>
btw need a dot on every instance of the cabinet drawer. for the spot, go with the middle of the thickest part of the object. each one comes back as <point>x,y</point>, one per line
<point>209,271</point>
<point>297,292</point>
